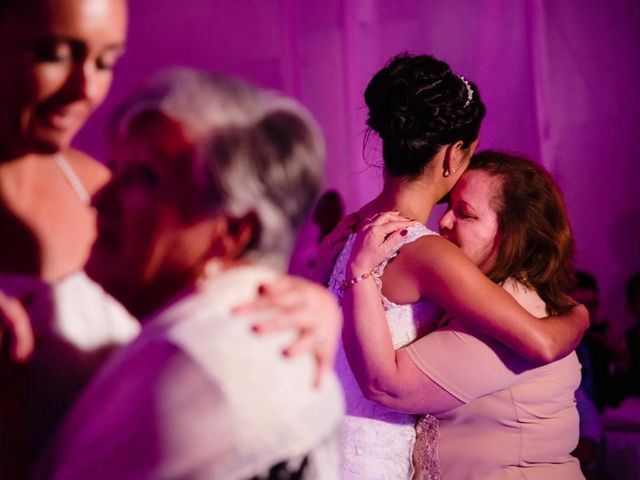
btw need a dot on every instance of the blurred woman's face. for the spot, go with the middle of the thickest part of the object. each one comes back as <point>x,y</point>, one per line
<point>471,221</point>
<point>147,236</point>
<point>57,59</point>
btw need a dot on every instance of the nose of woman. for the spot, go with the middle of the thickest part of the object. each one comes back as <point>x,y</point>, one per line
<point>446,221</point>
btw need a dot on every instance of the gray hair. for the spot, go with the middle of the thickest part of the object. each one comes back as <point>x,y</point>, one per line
<point>256,151</point>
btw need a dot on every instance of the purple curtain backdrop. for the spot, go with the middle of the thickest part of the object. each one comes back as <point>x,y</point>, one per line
<point>560,79</point>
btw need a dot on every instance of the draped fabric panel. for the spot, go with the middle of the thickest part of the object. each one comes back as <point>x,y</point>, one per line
<point>560,79</point>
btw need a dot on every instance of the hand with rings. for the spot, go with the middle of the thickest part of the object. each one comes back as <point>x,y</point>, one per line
<point>308,308</point>
<point>380,237</point>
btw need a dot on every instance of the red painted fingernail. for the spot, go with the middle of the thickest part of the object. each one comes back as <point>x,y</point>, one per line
<point>403,232</point>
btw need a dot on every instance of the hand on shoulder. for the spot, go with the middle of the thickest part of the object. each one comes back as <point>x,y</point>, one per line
<point>379,238</point>
<point>296,303</point>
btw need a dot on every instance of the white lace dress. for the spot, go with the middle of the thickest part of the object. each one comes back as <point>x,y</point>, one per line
<point>377,443</point>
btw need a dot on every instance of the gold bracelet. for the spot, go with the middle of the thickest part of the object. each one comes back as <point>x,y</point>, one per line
<point>358,278</point>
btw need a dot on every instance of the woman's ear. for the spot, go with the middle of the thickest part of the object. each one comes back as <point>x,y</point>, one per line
<point>236,236</point>
<point>246,232</point>
<point>455,158</point>
<point>449,162</point>
<point>459,156</point>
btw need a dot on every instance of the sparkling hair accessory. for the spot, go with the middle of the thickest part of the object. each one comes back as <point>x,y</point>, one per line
<point>469,92</point>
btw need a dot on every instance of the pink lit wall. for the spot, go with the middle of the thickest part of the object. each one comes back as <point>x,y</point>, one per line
<point>560,80</point>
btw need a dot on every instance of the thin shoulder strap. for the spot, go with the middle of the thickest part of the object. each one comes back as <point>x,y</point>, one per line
<point>73,179</point>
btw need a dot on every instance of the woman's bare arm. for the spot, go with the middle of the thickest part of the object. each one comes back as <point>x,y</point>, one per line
<point>447,277</point>
<point>385,376</point>
<point>16,334</point>
<point>451,281</point>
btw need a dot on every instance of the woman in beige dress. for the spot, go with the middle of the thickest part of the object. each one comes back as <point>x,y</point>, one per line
<point>428,120</point>
<point>499,415</point>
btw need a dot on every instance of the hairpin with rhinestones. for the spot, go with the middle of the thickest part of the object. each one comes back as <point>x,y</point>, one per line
<point>469,92</point>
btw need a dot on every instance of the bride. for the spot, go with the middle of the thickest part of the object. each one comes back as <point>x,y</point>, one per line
<point>428,120</point>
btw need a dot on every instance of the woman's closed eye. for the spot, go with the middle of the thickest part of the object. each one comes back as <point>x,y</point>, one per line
<point>51,51</point>
<point>465,215</point>
<point>109,59</point>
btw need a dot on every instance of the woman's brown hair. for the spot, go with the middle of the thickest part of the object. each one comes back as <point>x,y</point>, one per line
<point>537,246</point>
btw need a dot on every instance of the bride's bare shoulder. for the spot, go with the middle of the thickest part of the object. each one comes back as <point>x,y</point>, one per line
<point>427,246</point>
<point>431,253</point>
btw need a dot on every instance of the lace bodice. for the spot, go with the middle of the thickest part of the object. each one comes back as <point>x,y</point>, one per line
<point>377,442</point>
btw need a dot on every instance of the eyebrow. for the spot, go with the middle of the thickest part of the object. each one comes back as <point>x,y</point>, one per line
<point>468,206</point>
<point>119,46</point>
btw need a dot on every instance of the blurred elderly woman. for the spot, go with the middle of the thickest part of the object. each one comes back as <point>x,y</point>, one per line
<point>211,177</point>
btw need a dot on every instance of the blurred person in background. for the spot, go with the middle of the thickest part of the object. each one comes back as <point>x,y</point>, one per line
<point>602,351</point>
<point>632,335</point>
<point>210,179</point>
<point>59,58</point>
<point>324,218</point>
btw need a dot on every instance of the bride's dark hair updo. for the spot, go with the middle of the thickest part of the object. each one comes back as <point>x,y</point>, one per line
<point>417,105</point>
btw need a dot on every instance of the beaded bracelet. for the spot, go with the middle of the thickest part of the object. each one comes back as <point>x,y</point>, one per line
<point>358,278</point>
